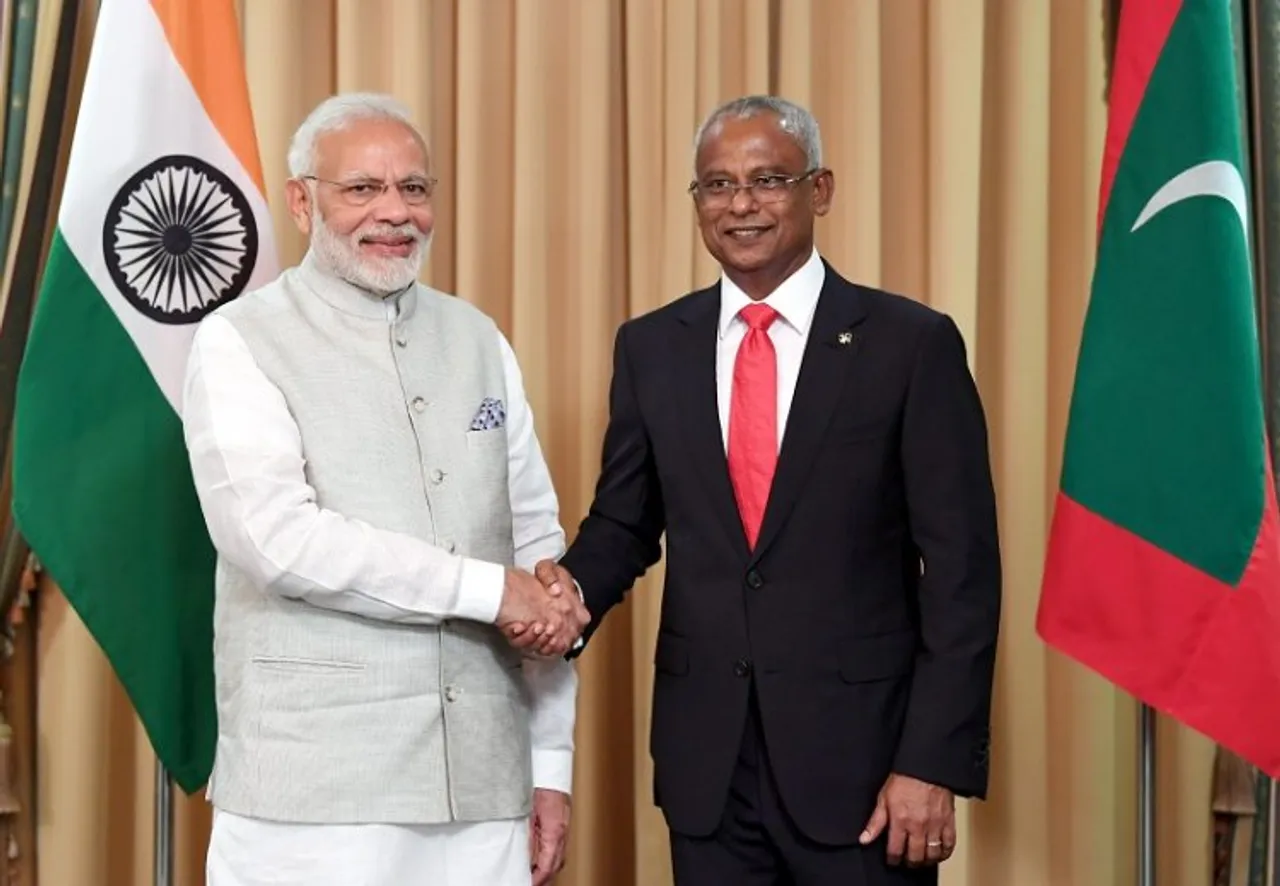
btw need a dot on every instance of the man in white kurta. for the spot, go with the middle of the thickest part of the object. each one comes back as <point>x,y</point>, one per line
<point>367,464</point>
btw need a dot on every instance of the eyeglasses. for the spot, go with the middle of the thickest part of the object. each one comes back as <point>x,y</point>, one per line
<point>414,191</point>
<point>719,192</point>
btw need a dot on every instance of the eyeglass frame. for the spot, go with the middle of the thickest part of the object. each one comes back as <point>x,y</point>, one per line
<point>429,182</point>
<point>787,186</point>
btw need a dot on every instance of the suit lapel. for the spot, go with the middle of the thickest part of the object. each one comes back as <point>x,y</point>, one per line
<point>695,354</point>
<point>832,344</point>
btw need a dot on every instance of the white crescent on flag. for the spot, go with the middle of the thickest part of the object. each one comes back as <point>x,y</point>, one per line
<point>1213,178</point>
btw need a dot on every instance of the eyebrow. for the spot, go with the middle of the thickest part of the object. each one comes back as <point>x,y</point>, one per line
<point>368,177</point>
<point>769,169</point>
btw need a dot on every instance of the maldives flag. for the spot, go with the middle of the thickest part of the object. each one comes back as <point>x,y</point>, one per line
<point>1163,565</point>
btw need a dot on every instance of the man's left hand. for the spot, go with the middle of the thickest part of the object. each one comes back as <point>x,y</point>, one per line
<point>921,819</point>
<point>548,834</point>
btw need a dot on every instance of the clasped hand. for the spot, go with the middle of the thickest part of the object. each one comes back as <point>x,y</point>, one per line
<point>542,615</point>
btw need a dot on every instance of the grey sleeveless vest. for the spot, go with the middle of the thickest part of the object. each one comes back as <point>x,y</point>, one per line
<point>326,717</point>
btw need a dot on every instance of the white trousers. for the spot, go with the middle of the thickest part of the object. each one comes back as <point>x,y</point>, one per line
<point>251,852</point>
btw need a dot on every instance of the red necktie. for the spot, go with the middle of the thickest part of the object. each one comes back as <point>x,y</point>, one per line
<point>753,418</point>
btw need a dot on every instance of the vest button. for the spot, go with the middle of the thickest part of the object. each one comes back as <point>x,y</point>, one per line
<point>437,476</point>
<point>451,693</point>
<point>419,404</point>
<point>401,340</point>
<point>742,667</point>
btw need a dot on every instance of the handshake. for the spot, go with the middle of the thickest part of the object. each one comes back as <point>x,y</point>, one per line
<point>541,614</point>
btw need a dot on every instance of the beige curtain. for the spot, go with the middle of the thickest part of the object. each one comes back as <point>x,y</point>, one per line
<point>965,136</point>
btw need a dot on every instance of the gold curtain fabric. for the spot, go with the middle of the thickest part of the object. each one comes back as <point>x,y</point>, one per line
<point>966,139</point>
<point>38,57</point>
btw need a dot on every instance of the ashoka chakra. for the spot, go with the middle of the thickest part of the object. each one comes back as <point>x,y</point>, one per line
<point>179,239</point>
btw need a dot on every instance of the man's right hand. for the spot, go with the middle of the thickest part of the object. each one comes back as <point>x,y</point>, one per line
<point>529,609</point>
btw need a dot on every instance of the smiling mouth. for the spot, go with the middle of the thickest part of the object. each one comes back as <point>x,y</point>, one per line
<point>390,245</point>
<point>747,233</point>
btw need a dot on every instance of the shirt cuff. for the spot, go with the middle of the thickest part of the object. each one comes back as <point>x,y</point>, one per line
<point>580,642</point>
<point>553,770</point>
<point>480,587</point>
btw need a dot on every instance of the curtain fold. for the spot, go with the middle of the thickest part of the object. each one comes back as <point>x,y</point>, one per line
<point>20,42</point>
<point>40,54</point>
<point>966,139</point>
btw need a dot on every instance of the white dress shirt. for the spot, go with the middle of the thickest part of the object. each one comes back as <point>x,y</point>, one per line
<point>247,458</point>
<point>795,301</point>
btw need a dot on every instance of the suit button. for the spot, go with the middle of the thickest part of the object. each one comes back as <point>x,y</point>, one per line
<point>742,667</point>
<point>755,580</point>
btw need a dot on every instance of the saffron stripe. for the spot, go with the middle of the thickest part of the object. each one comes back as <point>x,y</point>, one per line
<point>204,36</point>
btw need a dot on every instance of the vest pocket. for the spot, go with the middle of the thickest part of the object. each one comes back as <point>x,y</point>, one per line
<point>296,665</point>
<point>489,440</point>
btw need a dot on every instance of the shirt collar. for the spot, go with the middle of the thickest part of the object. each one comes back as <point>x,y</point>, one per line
<point>350,299</point>
<point>795,299</point>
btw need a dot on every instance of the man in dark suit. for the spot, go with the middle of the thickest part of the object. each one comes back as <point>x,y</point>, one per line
<point>815,452</point>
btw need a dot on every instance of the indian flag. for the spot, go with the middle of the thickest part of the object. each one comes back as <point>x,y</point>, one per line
<point>162,219</point>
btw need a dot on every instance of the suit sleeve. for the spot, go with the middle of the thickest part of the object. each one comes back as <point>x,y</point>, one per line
<point>620,537</point>
<point>952,513</point>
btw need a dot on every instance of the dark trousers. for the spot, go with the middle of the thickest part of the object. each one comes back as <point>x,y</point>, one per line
<point>757,844</point>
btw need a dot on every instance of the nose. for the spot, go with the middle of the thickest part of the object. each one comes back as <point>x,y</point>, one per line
<point>744,201</point>
<point>390,207</point>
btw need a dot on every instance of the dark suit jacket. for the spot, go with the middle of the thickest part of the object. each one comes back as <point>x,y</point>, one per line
<point>867,615</point>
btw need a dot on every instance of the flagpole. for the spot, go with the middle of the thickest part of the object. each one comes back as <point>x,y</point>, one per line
<point>1147,796</point>
<point>1261,85</point>
<point>1272,808</point>
<point>163,871</point>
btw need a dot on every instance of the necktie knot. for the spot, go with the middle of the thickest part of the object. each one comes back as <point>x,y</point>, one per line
<point>758,316</point>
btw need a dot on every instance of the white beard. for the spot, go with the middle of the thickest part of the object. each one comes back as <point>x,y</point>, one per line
<point>381,276</point>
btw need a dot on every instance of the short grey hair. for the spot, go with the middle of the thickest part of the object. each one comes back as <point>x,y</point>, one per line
<point>794,120</point>
<point>338,112</point>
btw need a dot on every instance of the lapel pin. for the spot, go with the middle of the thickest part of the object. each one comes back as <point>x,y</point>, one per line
<point>845,338</point>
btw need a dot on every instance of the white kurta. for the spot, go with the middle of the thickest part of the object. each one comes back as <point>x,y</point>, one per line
<point>249,852</point>
<point>244,852</point>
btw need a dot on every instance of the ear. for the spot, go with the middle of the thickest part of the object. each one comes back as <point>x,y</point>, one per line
<point>824,190</point>
<point>298,198</point>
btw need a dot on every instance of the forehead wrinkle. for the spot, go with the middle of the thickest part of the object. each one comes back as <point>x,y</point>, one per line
<point>370,149</point>
<point>766,149</point>
<point>752,171</point>
<point>364,167</point>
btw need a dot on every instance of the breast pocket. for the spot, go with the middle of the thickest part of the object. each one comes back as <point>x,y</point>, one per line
<point>486,469</point>
<point>488,442</point>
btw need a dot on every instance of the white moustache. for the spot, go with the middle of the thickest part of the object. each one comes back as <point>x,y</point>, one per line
<point>387,232</point>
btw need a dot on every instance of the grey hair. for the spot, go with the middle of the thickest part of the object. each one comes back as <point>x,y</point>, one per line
<point>338,112</point>
<point>794,120</point>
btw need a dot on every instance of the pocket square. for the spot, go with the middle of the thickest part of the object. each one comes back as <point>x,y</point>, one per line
<point>492,414</point>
